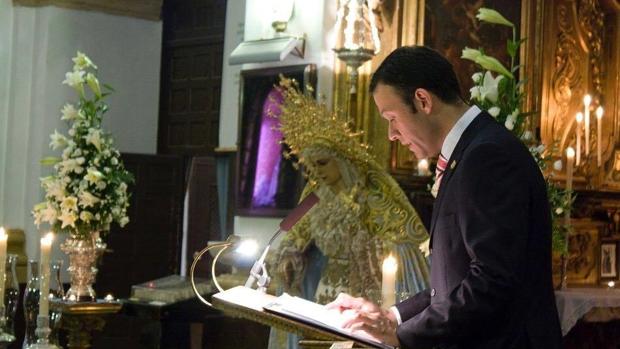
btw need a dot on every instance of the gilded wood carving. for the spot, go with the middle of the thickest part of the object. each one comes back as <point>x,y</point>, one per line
<point>579,58</point>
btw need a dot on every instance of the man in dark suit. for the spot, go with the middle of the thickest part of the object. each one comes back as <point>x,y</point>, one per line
<point>491,283</point>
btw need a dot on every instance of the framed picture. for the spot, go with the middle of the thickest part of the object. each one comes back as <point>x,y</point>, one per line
<point>267,183</point>
<point>609,262</point>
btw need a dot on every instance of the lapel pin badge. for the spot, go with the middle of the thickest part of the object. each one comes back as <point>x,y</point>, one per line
<point>453,165</point>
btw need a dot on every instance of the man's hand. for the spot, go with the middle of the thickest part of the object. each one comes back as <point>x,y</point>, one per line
<point>367,319</point>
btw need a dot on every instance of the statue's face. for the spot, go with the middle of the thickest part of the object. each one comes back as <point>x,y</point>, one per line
<point>327,170</point>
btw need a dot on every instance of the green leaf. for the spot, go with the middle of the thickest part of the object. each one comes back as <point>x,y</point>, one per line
<point>50,161</point>
<point>108,87</point>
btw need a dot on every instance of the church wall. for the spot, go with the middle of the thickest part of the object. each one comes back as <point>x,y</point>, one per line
<point>314,18</point>
<point>36,46</point>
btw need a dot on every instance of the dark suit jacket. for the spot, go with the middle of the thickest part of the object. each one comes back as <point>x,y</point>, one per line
<point>491,280</point>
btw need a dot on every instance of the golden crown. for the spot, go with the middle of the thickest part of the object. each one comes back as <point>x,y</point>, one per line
<point>305,123</point>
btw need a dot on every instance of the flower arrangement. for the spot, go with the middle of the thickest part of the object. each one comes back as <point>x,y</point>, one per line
<point>88,191</point>
<point>500,93</point>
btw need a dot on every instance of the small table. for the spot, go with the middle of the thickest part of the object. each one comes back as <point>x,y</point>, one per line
<point>81,319</point>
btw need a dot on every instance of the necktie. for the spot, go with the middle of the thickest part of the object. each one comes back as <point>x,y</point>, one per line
<point>442,162</point>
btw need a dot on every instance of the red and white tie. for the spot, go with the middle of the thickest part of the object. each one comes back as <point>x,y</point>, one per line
<point>442,162</point>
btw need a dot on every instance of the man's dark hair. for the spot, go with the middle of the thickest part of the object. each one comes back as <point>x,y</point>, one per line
<point>411,67</point>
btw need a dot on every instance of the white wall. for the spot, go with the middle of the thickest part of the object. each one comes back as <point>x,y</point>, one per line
<point>36,46</point>
<point>315,19</point>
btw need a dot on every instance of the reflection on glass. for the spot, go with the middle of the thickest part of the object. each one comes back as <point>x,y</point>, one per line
<point>31,304</point>
<point>269,153</point>
<point>57,292</point>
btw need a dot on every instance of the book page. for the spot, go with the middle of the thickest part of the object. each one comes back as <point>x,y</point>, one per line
<point>319,315</point>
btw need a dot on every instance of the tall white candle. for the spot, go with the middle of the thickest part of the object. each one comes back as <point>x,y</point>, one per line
<point>423,168</point>
<point>586,102</point>
<point>579,118</point>
<point>570,158</point>
<point>46,248</point>
<point>599,133</point>
<point>3,241</point>
<point>388,284</point>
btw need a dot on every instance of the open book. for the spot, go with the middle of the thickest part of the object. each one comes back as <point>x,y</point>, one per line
<point>292,314</point>
<point>314,314</point>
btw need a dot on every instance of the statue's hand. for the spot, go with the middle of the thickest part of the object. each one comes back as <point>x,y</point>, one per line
<point>289,267</point>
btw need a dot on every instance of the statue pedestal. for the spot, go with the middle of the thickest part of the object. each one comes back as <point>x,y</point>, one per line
<point>82,319</point>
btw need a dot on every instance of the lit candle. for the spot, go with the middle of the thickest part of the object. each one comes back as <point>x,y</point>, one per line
<point>586,102</point>
<point>46,248</point>
<point>611,284</point>
<point>570,158</point>
<point>423,168</point>
<point>599,133</point>
<point>3,239</point>
<point>579,120</point>
<point>388,284</point>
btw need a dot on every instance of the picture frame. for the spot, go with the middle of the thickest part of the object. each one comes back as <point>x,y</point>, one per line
<point>267,183</point>
<point>609,260</point>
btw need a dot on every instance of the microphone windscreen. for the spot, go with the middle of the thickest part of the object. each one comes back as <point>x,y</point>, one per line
<point>304,206</point>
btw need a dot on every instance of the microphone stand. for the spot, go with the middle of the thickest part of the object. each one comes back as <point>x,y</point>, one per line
<point>258,273</point>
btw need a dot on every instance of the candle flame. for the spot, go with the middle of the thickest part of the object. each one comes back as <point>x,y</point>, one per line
<point>570,152</point>
<point>47,239</point>
<point>587,99</point>
<point>611,284</point>
<point>579,117</point>
<point>599,112</point>
<point>390,264</point>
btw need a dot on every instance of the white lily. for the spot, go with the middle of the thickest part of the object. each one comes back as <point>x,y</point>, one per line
<point>93,83</point>
<point>94,137</point>
<point>557,165</point>
<point>82,62</point>
<point>48,214</point>
<point>470,53</point>
<point>58,140</point>
<point>87,199</point>
<point>68,219</point>
<point>489,88</point>
<point>69,203</point>
<point>69,112</point>
<point>93,176</point>
<point>492,16</point>
<point>475,94</point>
<point>494,111</point>
<point>476,77</point>
<point>74,79</point>
<point>86,216</point>
<point>511,119</point>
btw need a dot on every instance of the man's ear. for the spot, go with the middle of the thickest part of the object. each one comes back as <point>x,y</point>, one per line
<point>423,100</point>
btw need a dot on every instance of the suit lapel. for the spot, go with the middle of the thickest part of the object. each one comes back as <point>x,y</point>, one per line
<point>468,135</point>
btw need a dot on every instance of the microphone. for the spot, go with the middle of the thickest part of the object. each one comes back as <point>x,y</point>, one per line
<point>285,225</point>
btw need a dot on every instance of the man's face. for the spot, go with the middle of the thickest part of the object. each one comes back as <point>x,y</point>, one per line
<point>415,131</point>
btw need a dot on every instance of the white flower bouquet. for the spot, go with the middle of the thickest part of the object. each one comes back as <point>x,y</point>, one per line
<point>501,95</point>
<point>88,191</point>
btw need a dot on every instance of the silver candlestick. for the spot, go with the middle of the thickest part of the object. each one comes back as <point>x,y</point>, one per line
<point>43,332</point>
